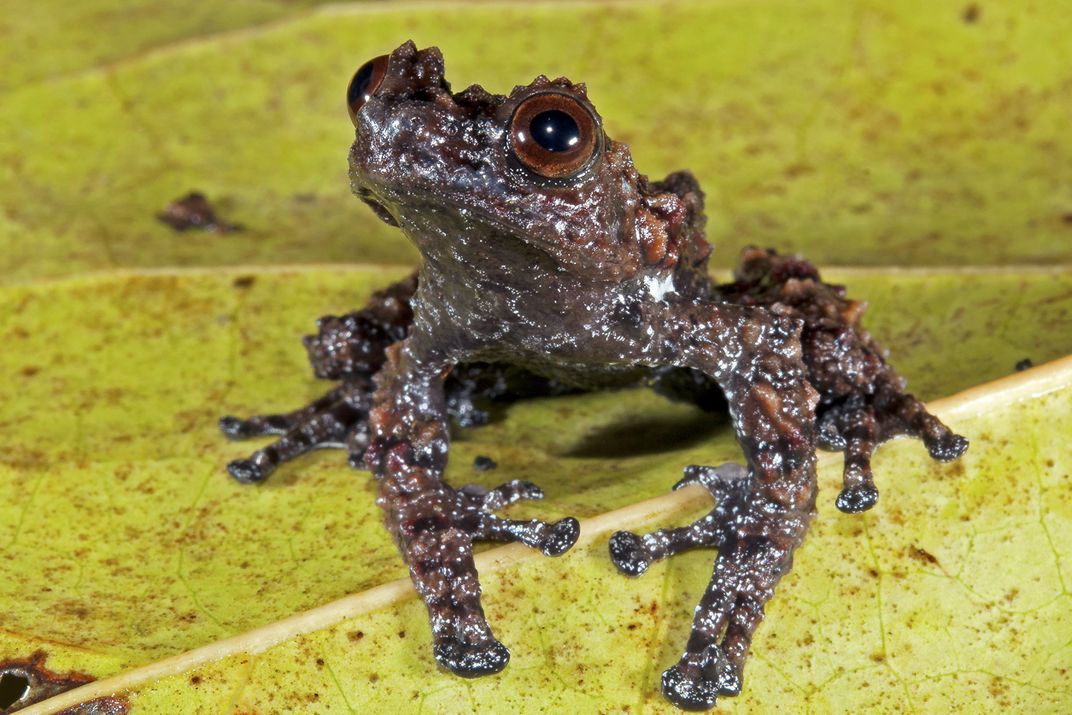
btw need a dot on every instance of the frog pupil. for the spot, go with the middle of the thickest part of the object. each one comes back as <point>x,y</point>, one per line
<point>555,130</point>
<point>359,84</point>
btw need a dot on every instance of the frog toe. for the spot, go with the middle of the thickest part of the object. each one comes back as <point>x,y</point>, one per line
<point>628,553</point>
<point>857,499</point>
<point>471,660</point>
<point>948,447</point>
<point>695,684</point>
<point>688,689</point>
<point>233,428</point>
<point>247,471</point>
<point>716,480</point>
<point>561,537</point>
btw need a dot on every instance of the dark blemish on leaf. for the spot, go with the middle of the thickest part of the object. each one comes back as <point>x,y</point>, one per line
<point>401,634</point>
<point>1025,364</point>
<point>971,14</point>
<point>1067,218</point>
<point>195,680</point>
<point>374,677</point>
<point>319,662</point>
<point>355,635</point>
<point>25,681</point>
<point>29,371</point>
<point>794,171</point>
<point>193,211</point>
<point>922,555</point>
<point>244,281</point>
<point>484,464</point>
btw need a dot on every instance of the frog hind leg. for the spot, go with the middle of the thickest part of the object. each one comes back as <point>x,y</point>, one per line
<point>435,525</point>
<point>899,413</point>
<point>854,431</point>
<point>339,419</point>
<point>864,402</point>
<point>633,554</point>
<point>349,349</point>
<point>858,426</point>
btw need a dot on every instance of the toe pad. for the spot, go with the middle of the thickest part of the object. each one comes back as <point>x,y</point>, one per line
<point>246,471</point>
<point>563,535</point>
<point>628,553</point>
<point>471,660</point>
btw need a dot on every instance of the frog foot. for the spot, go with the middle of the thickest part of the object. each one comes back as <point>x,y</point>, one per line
<point>857,429</point>
<point>707,669</point>
<point>339,419</point>
<point>633,554</point>
<point>476,502</point>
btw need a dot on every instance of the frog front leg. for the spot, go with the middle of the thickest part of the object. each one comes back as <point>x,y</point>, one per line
<point>435,525</point>
<point>762,511</point>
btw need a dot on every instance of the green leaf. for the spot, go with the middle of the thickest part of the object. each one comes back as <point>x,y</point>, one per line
<point>863,133</point>
<point>898,135</point>
<point>160,552</point>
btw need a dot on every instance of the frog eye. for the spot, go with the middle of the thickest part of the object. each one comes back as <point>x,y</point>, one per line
<point>554,135</point>
<point>364,84</point>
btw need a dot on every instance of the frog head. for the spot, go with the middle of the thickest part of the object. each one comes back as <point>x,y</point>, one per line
<point>504,182</point>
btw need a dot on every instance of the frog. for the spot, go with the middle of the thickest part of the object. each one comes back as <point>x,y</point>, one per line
<point>550,265</point>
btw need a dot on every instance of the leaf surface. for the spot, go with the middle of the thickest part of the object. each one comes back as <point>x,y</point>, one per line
<point>897,136</point>
<point>862,133</point>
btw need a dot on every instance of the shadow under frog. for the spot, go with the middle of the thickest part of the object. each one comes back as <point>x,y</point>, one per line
<point>549,265</point>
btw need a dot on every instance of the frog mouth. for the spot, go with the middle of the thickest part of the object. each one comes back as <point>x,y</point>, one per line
<point>379,209</point>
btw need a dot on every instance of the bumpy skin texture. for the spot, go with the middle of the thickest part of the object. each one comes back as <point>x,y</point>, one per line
<point>535,286</point>
<point>862,399</point>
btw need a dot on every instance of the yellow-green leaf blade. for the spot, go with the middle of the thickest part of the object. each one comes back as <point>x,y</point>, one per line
<point>927,604</point>
<point>874,134</point>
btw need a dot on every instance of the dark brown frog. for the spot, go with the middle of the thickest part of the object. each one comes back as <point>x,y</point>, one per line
<point>550,264</point>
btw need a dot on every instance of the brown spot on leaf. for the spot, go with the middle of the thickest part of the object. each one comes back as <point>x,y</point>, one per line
<point>922,555</point>
<point>971,14</point>
<point>193,211</point>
